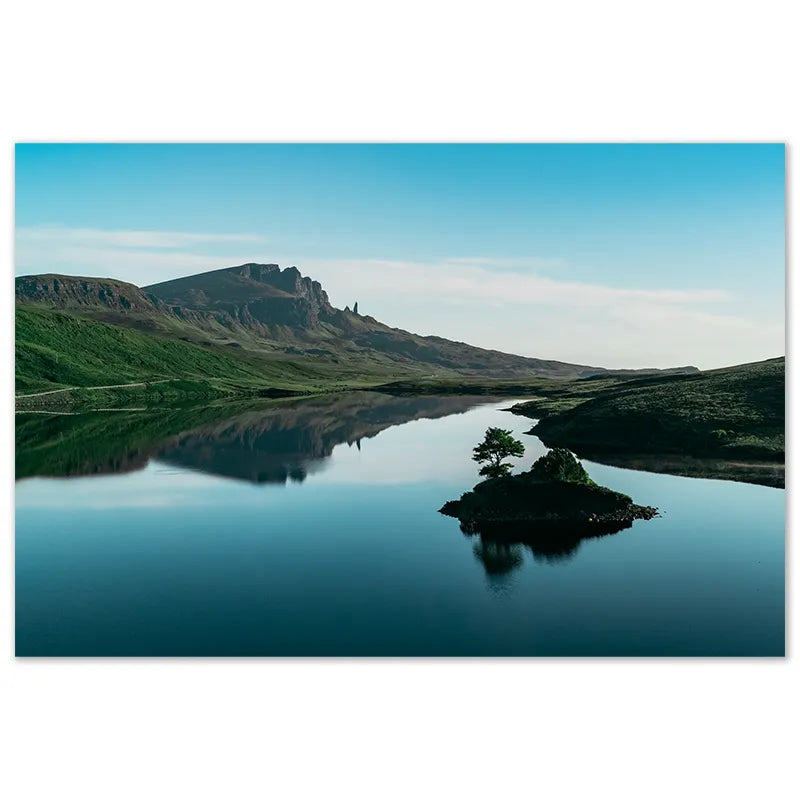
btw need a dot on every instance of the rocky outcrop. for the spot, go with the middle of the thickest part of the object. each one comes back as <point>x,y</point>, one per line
<point>70,292</point>
<point>109,300</point>
<point>253,295</point>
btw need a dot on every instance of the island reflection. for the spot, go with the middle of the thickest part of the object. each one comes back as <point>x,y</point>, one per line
<point>501,550</point>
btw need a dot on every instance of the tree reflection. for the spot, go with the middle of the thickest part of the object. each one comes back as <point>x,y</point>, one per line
<point>498,558</point>
<point>501,548</point>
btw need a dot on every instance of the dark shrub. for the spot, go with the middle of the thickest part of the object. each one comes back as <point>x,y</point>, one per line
<point>559,464</point>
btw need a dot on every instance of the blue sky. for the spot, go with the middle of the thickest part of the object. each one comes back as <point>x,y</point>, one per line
<point>615,255</point>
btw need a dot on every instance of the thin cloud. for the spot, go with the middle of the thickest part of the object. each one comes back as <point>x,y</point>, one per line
<point>56,235</point>
<point>140,257</point>
<point>451,280</point>
<point>534,315</point>
<point>507,264</point>
<point>138,266</point>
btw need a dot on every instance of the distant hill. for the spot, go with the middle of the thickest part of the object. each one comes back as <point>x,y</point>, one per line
<point>734,415</point>
<point>259,313</point>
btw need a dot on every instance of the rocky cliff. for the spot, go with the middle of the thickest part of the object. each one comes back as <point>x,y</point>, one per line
<point>253,295</point>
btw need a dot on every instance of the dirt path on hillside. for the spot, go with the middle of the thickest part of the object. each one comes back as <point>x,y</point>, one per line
<point>92,388</point>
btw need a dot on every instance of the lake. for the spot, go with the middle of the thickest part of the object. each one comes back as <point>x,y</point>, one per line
<point>311,528</point>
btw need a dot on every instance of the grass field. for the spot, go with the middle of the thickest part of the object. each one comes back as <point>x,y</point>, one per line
<point>55,350</point>
<point>732,413</point>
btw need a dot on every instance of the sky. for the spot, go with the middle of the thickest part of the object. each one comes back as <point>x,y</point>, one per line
<point>628,255</point>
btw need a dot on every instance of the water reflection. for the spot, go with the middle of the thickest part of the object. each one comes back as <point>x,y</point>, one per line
<point>274,442</point>
<point>501,548</point>
<point>167,561</point>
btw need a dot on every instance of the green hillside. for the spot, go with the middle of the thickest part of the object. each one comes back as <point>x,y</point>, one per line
<point>736,412</point>
<point>55,350</point>
<point>58,350</point>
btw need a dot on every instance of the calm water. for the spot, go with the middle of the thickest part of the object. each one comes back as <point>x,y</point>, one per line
<point>311,528</point>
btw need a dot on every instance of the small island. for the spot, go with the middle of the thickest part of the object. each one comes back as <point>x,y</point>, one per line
<point>555,496</point>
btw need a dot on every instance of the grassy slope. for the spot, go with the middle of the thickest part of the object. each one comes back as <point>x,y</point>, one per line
<point>733,413</point>
<point>56,350</point>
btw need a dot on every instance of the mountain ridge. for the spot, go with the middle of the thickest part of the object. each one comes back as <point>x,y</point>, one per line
<point>274,312</point>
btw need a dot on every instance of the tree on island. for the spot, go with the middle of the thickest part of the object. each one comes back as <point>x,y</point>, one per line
<point>355,307</point>
<point>559,464</point>
<point>497,444</point>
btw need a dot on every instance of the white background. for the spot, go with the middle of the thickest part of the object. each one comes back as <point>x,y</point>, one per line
<point>435,71</point>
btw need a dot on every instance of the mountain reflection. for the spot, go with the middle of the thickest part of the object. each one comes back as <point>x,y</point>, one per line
<point>273,442</point>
